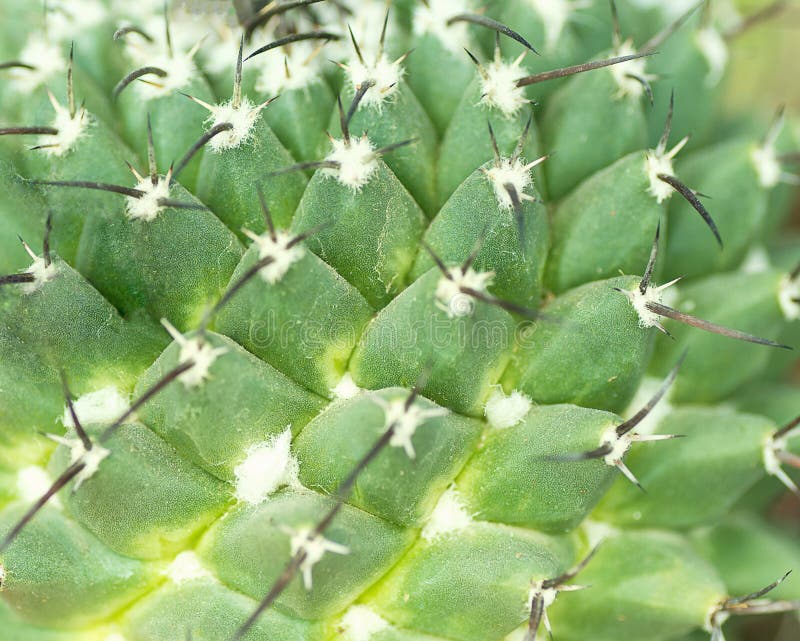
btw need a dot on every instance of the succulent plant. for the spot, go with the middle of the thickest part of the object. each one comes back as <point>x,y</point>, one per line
<point>385,349</point>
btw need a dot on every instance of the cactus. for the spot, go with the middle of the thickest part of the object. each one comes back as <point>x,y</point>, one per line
<point>385,349</point>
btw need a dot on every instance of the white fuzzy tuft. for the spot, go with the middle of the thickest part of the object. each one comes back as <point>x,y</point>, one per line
<point>185,567</point>
<point>506,411</point>
<point>554,15</point>
<point>180,69</point>
<point>47,61</point>
<point>449,515</point>
<point>291,68</point>
<point>385,75</point>
<point>196,350</point>
<point>70,129</point>
<point>346,388</point>
<point>91,459</point>
<point>627,86</point>
<point>32,483</point>
<point>449,297</point>
<point>432,17</point>
<point>767,166</point>
<point>756,261</point>
<point>101,407</point>
<point>147,206</point>
<point>516,173</point>
<point>266,467</point>
<point>70,19</point>
<point>788,293</point>
<point>659,161</point>
<point>42,274</point>
<point>284,255</point>
<point>499,86</point>
<point>243,117</point>
<point>357,162</point>
<point>713,48</point>
<point>619,445</point>
<point>360,623</point>
<point>639,301</point>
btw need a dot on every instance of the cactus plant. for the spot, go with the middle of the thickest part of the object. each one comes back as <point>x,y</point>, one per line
<point>385,349</point>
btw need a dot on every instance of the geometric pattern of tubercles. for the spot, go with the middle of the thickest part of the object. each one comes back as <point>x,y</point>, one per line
<point>369,332</point>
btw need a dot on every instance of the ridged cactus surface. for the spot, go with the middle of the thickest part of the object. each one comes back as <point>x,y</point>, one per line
<point>342,320</point>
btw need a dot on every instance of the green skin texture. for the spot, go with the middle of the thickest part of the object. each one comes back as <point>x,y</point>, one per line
<point>713,370</point>
<point>478,343</point>
<point>37,399</point>
<point>682,493</point>
<point>17,630</point>
<point>510,480</point>
<point>472,210</point>
<point>228,181</point>
<point>169,484</point>
<point>316,311</point>
<point>728,174</point>
<point>589,128</point>
<point>98,155</point>
<point>244,391</point>
<point>22,205</point>
<point>165,500</point>
<point>466,145</point>
<point>176,273</point>
<point>772,399</point>
<point>92,341</point>
<point>681,57</point>
<point>173,132</point>
<point>400,117</point>
<point>297,115</point>
<point>747,551</point>
<point>62,566</point>
<point>588,349</point>
<point>240,542</point>
<point>488,563</point>
<point>382,211</point>
<point>331,446</point>
<point>605,226</point>
<point>215,612</point>
<point>655,588</point>
<point>439,93</point>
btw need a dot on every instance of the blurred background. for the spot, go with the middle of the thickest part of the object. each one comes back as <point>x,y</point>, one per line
<point>767,59</point>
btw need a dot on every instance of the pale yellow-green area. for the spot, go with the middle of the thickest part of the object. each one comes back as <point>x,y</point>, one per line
<point>767,61</point>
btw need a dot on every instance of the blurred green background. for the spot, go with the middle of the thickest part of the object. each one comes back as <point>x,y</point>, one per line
<point>766,64</point>
<point>766,60</point>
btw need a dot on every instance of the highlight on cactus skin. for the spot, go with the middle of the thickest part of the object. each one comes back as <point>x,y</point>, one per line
<point>325,320</point>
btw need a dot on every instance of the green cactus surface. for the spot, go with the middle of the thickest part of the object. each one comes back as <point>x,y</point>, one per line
<point>394,320</point>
